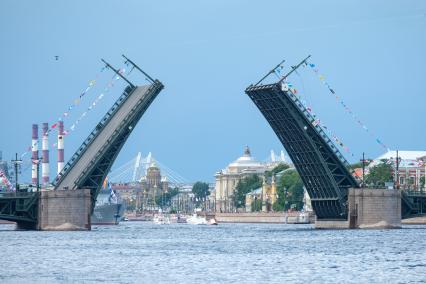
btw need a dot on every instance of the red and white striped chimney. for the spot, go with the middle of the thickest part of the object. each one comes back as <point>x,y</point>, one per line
<point>45,151</point>
<point>60,146</point>
<point>34,157</point>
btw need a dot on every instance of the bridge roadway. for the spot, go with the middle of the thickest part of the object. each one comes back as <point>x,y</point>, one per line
<point>94,146</point>
<point>322,167</point>
<point>89,166</point>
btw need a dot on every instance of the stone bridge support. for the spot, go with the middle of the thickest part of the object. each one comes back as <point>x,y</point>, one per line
<point>369,209</point>
<point>64,210</point>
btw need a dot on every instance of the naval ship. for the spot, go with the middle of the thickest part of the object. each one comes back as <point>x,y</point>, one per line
<point>109,210</point>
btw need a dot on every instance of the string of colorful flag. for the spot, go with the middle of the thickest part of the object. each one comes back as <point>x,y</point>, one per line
<point>6,181</point>
<point>344,105</point>
<point>288,86</point>
<point>108,87</point>
<point>76,102</point>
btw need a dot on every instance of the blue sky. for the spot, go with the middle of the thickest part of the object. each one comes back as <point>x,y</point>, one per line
<point>206,53</point>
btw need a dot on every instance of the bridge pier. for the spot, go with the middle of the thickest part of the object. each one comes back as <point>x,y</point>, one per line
<point>369,209</point>
<point>64,210</point>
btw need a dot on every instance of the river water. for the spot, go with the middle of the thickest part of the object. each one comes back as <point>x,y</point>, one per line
<point>140,252</point>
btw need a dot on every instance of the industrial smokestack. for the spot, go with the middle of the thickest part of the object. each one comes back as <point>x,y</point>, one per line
<point>45,151</point>
<point>60,146</point>
<point>34,149</point>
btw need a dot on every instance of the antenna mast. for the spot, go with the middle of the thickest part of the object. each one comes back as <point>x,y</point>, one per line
<point>137,67</point>
<point>118,73</point>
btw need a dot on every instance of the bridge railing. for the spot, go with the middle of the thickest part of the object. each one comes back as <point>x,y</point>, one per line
<point>14,194</point>
<point>317,127</point>
<point>156,84</point>
<point>116,106</point>
<point>415,192</point>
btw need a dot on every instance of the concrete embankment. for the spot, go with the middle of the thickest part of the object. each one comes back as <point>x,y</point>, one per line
<point>414,221</point>
<point>263,217</point>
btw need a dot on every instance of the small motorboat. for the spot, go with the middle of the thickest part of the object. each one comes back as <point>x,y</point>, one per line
<point>196,220</point>
<point>160,219</point>
<point>212,221</point>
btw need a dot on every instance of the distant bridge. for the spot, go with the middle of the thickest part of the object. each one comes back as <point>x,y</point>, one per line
<point>136,168</point>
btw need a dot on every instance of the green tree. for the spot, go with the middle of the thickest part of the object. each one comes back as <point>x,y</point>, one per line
<point>256,205</point>
<point>200,190</point>
<point>422,183</point>
<point>279,168</point>
<point>379,174</point>
<point>244,186</point>
<point>164,199</point>
<point>290,192</point>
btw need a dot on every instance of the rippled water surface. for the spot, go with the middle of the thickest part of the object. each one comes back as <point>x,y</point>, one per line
<point>138,252</point>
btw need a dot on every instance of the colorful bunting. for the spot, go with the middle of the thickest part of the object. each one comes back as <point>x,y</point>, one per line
<point>346,108</point>
<point>76,102</point>
<point>110,84</point>
<point>316,121</point>
<point>6,181</point>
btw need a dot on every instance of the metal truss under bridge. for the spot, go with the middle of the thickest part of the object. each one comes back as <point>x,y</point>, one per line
<point>321,166</point>
<point>21,207</point>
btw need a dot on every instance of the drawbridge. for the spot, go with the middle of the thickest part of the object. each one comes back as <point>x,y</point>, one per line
<point>92,161</point>
<point>321,166</point>
<point>90,164</point>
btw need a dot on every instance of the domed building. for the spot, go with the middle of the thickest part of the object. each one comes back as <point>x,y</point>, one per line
<point>152,185</point>
<point>227,179</point>
<point>153,175</point>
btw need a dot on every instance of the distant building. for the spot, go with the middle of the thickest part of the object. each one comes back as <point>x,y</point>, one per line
<point>267,194</point>
<point>411,167</point>
<point>228,178</point>
<point>183,202</point>
<point>143,194</point>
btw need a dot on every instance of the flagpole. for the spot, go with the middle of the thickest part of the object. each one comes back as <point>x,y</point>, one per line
<point>270,72</point>
<point>137,67</point>
<point>118,73</point>
<point>294,68</point>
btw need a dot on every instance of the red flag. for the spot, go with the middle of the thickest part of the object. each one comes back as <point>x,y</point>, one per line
<point>54,125</point>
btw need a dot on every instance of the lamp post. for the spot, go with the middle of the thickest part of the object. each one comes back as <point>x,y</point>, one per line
<point>16,164</point>
<point>363,169</point>
<point>397,169</point>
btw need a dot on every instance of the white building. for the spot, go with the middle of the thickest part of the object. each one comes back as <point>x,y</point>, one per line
<point>411,169</point>
<point>227,179</point>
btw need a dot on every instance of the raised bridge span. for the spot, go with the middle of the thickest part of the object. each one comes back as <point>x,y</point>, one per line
<point>91,163</point>
<point>321,166</point>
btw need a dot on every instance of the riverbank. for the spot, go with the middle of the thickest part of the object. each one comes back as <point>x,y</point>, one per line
<point>266,217</point>
<point>414,221</point>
